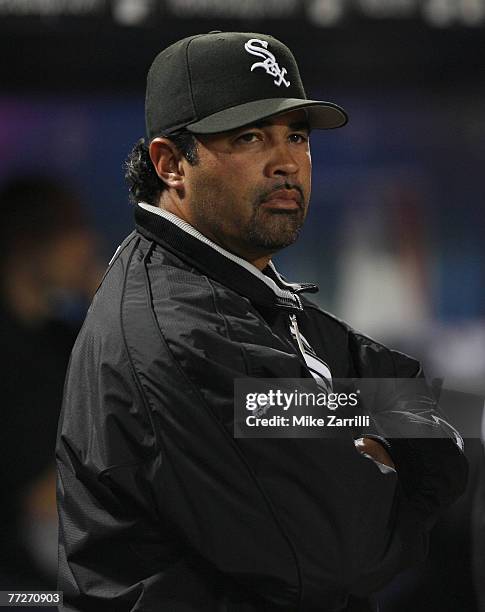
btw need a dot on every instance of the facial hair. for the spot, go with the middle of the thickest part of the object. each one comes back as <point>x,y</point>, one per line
<point>275,229</point>
<point>266,231</point>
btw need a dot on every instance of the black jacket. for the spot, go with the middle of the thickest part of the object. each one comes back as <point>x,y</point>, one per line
<point>162,509</point>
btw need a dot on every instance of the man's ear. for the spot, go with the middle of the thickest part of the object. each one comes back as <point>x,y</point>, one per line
<point>167,160</point>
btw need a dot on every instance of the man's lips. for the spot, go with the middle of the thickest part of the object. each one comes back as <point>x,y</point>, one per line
<point>283,199</point>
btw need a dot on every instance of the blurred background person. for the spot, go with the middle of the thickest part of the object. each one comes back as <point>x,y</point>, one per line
<point>48,273</point>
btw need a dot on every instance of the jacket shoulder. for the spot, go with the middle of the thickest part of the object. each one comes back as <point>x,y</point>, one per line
<point>101,386</point>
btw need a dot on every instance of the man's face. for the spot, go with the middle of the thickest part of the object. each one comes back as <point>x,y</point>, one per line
<point>250,190</point>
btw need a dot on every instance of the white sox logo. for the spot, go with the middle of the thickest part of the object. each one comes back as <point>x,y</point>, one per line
<point>270,64</point>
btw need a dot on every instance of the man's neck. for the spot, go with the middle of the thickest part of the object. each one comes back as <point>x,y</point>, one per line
<point>258,261</point>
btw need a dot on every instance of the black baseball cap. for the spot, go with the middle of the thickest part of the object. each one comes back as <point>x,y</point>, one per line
<point>220,81</point>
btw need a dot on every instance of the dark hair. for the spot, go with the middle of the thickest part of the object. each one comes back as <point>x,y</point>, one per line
<point>144,184</point>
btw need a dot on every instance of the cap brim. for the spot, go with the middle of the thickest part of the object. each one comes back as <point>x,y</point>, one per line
<point>321,115</point>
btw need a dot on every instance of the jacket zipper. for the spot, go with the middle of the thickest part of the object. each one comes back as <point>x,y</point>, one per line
<point>295,332</point>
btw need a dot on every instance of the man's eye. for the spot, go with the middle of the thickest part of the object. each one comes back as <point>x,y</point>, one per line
<point>297,138</point>
<point>248,137</point>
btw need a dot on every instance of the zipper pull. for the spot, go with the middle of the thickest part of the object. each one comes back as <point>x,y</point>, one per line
<point>295,332</point>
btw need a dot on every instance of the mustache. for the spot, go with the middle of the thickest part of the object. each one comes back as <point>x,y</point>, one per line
<point>265,194</point>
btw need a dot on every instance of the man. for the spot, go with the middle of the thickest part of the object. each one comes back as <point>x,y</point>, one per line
<point>161,507</point>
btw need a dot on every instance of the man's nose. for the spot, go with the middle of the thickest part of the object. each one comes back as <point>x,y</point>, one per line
<point>281,161</point>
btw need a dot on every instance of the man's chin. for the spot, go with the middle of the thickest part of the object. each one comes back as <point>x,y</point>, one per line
<point>274,229</point>
<point>271,244</point>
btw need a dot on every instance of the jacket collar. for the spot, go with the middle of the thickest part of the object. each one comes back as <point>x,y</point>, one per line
<point>267,288</point>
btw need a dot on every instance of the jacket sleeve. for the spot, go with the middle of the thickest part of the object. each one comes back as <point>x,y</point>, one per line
<point>427,450</point>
